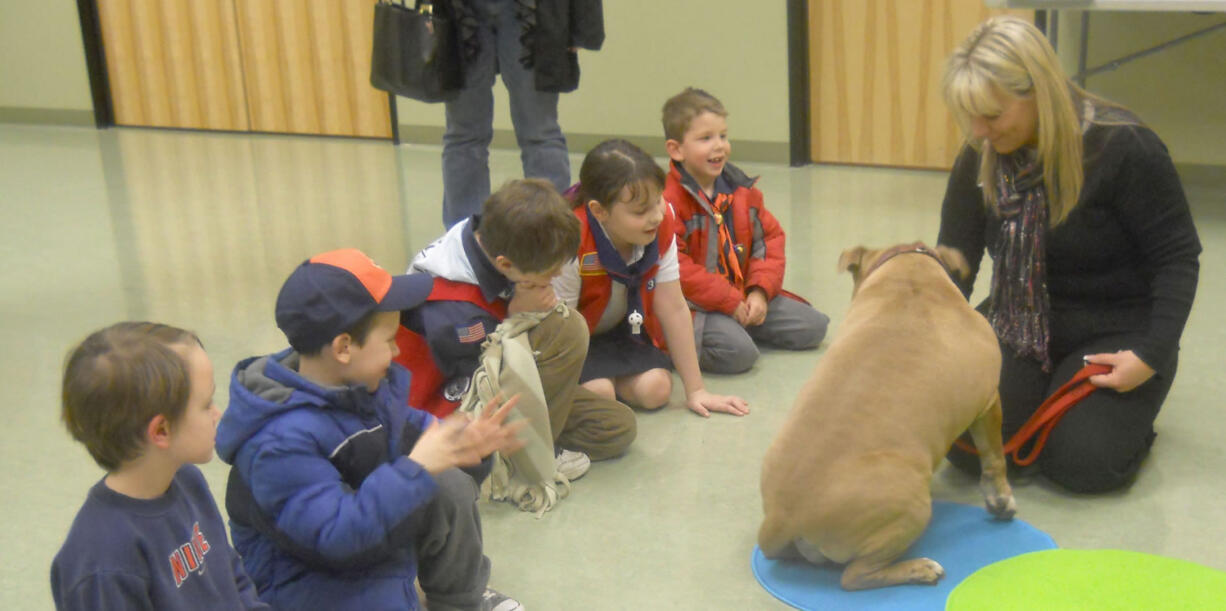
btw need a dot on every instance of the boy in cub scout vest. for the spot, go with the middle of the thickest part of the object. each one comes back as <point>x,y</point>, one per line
<point>625,282</point>
<point>488,267</point>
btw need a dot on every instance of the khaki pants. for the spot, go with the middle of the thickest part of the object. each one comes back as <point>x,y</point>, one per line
<point>580,419</point>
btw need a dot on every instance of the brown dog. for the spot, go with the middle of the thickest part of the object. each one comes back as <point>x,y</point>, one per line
<point>913,366</point>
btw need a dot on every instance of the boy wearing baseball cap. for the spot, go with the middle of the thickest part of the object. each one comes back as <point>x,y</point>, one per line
<point>339,496</point>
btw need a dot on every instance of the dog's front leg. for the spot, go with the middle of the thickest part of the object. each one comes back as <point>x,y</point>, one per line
<point>993,482</point>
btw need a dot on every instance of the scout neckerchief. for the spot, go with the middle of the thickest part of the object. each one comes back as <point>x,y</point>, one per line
<point>629,276</point>
<point>728,260</point>
<point>1019,300</point>
<point>729,263</point>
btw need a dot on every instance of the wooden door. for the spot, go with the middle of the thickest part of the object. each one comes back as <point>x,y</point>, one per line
<point>174,63</point>
<point>876,69</point>
<point>307,66</point>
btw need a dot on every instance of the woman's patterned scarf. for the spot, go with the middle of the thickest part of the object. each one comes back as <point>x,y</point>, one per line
<point>1019,301</point>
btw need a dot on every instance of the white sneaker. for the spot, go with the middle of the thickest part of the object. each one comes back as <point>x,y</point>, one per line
<point>572,464</point>
<point>493,600</point>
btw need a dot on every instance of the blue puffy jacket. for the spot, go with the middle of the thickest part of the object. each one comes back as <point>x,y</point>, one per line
<point>322,497</point>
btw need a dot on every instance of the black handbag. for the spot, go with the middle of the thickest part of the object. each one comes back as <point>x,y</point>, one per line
<point>416,53</point>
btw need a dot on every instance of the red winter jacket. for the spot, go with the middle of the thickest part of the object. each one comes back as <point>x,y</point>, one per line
<point>758,237</point>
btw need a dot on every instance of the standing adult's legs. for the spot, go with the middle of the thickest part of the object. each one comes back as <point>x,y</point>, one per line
<point>470,126</point>
<point>534,114</point>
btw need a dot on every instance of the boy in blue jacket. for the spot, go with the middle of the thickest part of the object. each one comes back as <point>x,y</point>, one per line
<point>339,495</point>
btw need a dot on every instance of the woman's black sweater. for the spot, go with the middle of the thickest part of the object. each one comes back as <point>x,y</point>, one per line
<point>1124,261</point>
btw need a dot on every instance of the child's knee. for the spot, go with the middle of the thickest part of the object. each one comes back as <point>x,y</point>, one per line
<point>456,491</point>
<point>566,330</point>
<point>560,343</point>
<point>655,388</point>
<point>811,333</point>
<point>620,430</point>
<point>602,387</point>
<point>732,357</point>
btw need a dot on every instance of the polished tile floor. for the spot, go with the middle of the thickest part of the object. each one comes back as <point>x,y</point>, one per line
<point>199,230</point>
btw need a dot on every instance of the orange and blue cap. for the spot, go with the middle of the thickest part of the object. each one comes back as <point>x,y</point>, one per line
<point>330,292</point>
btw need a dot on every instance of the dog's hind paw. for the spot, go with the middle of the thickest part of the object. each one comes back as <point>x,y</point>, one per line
<point>925,571</point>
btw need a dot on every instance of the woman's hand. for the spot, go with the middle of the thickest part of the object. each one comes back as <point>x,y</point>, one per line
<point>1128,370</point>
<point>703,403</point>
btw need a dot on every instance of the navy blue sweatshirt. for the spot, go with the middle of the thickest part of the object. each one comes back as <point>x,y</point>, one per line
<point>166,553</point>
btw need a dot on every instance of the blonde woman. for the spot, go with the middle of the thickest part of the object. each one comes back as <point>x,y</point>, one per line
<point>1095,255</point>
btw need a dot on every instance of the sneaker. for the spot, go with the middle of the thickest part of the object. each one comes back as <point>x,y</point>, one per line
<point>493,600</point>
<point>572,464</point>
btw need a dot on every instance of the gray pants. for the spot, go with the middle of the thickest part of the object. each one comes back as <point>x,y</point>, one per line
<point>451,566</point>
<point>724,346</point>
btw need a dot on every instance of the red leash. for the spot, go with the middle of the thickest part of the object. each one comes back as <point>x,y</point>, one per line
<point>1047,415</point>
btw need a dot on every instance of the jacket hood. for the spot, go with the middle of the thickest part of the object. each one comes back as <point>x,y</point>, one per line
<point>446,257</point>
<point>263,388</point>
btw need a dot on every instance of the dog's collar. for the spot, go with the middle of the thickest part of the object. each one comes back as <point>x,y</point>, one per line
<point>905,249</point>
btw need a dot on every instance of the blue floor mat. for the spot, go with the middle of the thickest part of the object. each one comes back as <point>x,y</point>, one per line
<point>962,538</point>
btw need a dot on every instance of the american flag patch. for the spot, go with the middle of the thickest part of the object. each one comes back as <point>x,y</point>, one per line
<point>471,333</point>
<point>590,264</point>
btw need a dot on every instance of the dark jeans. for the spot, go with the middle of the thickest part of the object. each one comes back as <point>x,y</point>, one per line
<point>1101,441</point>
<point>470,116</point>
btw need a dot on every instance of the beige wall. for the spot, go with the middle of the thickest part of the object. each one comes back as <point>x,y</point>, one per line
<point>42,60</point>
<point>737,50</point>
<point>1180,92</point>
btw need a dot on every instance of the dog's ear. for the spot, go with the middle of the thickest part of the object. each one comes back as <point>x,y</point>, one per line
<point>954,261</point>
<point>851,260</point>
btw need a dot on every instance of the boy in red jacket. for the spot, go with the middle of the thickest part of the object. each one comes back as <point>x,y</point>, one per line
<point>729,246</point>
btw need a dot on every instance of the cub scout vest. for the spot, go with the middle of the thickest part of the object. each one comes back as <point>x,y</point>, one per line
<point>596,287</point>
<point>426,389</point>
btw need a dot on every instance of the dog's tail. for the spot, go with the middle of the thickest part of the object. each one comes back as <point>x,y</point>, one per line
<point>773,539</point>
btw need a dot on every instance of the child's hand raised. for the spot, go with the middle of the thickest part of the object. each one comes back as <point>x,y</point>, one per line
<point>457,441</point>
<point>490,432</point>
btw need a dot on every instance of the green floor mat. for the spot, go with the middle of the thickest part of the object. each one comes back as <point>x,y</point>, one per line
<point>1090,579</point>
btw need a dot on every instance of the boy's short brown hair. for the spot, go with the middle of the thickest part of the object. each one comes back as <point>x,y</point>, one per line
<point>117,380</point>
<point>680,110</point>
<point>529,223</point>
